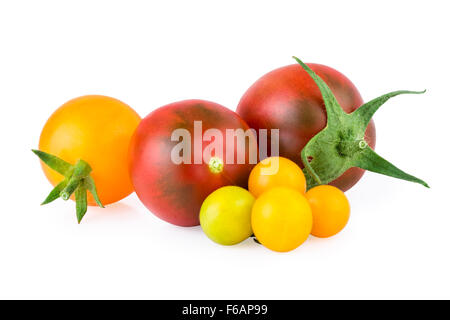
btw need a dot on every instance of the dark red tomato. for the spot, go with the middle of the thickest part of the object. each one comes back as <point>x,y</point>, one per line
<point>288,99</point>
<point>174,192</point>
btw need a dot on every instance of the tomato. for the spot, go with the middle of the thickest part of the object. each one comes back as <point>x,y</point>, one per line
<point>288,99</point>
<point>281,219</point>
<point>96,129</point>
<point>330,209</point>
<point>225,215</point>
<point>174,191</point>
<point>276,172</point>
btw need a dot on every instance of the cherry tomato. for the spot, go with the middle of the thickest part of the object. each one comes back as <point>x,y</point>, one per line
<point>276,172</point>
<point>225,215</point>
<point>330,209</point>
<point>281,219</point>
<point>96,129</point>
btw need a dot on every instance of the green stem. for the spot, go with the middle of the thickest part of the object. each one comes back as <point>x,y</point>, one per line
<point>81,202</point>
<point>90,185</point>
<point>341,144</point>
<point>81,170</point>
<point>370,160</point>
<point>367,110</point>
<point>56,192</point>
<point>77,179</point>
<point>54,163</point>
<point>334,110</point>
<point>309,169</point>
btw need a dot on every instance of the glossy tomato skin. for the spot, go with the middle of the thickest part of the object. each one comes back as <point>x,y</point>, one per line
<point>281,219</point>
<point>288,174</point>
<point>330,209</point>
<point>98,130</point>
<point>288,99</point>
<point>175,192</point>
<point>225,215</point>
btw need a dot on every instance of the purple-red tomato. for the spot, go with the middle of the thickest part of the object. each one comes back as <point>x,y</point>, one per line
<point>288,99</point>
<point>175,191</point>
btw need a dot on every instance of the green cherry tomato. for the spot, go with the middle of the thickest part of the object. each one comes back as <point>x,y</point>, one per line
<point>225,215</point>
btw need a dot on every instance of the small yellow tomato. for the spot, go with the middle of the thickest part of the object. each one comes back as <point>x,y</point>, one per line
<point>281,219</point>
<point>330,209</point>
<point>276,172</point>
<point>225,215</point>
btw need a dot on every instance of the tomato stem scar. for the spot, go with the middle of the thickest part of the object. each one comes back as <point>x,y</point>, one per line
<point>215,165</point>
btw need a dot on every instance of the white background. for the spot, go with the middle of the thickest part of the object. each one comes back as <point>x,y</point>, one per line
<point>149,53</point>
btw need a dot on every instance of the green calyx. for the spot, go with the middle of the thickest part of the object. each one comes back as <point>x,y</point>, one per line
<point>341,144</point>
<point>77,180</point>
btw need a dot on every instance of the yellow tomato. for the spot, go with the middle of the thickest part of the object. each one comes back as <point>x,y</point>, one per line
<point>330,209</point>
<point>276,172</point>
<point>225,215</point>
<point>96,129</point>
<point>281,219</point>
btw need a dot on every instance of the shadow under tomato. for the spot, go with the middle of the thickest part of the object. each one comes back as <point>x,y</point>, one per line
<point>115,211</point>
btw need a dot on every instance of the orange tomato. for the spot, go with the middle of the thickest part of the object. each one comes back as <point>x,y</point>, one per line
<point>276,172</point>
<point>96,129</point>
<point>330,209</point>
<point>281,219</point>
